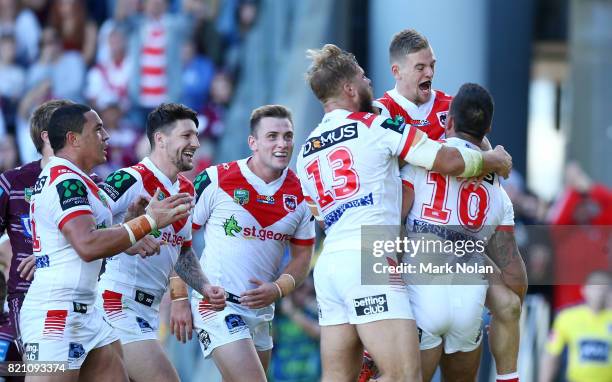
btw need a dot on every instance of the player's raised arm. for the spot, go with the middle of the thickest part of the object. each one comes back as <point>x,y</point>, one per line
<point>454,161</point>
<point>92,244</point>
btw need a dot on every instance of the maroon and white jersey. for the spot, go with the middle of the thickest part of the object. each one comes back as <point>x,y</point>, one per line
<point>349,169</point>
<point>429,117</point>
<point>16,187</point>
<point>63,192</point>
<point>248,223</point>
<point>454,203</point>
<point>152,273</point>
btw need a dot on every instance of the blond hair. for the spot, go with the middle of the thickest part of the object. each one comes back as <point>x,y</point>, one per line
<point>331,67</point>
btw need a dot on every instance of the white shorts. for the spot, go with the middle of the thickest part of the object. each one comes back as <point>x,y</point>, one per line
<point>452,313</point>
<point>343,299</point>
<point>64,335</point>
<point>133,321</point>
<point>232,324</point>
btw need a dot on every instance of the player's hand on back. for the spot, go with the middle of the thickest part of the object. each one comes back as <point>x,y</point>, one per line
<point>263,295</point>
<point>169,209</point>
<point>27,267</point>
<point>498,161</point>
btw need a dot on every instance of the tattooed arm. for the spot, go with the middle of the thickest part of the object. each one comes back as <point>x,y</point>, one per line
<point>188,268</point>
<point>504,252</point>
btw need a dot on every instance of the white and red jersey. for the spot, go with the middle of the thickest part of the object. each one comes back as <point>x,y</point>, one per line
<point>150,274</point>
<point>349,169</point>
<point>429,117</point>
<point>61,193</point>
<point>248,223</point>
<point>453,202</point>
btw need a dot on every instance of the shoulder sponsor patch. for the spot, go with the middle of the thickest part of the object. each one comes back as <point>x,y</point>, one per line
<point>200,183</point>
<point>396,124</point>
<point>117,184</point>
<point>72,193</point>
<point>38,186</point>
<point>330,138</point>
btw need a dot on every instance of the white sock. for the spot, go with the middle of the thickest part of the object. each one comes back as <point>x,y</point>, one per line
<point>506,377</point>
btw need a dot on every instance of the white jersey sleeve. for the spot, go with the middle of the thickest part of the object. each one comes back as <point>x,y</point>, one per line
<point>205,185</point>
<point>305,231</point>
<point>408,174</point>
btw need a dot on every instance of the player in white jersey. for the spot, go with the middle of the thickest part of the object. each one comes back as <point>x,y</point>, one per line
<point>71,232</point>
<point>413,66</point>
<point>132,287</point>
<point>453,210</point>
<point>349,170</point>
<point>252,210</point>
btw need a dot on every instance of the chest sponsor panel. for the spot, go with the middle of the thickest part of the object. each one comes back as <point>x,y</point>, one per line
<point>233,228</point>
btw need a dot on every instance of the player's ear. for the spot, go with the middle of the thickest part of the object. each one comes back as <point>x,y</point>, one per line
<point>450,124</point>
<point>252,143</point>
<point>395,70</point>
<point>159,140</point>
<point>349,89</point>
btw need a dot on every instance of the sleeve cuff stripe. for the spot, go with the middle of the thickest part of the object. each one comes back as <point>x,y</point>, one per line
<point>505,228</point>
<point>407,183</point>
<point>71,216</point>
<point>304,242</point>
<point>196,226</point>
<point>408,143</point>
<point>186,244</point>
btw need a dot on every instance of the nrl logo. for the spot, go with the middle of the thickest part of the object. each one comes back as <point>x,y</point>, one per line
<point>27,194</point>
<point>241,196</point>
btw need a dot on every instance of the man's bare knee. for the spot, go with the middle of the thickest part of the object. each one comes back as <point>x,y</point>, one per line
<point>510,311</point>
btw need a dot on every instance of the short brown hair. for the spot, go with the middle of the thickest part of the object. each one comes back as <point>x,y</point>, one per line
<point>406,42</point>
<point>41,118</point>
<point>274,111</point>
<point>331,67</point>
<point>165,115</point>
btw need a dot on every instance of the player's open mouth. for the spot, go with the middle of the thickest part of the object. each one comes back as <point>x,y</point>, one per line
<point>425,86</point>
<point>280,155</point>
<point>188,154</point>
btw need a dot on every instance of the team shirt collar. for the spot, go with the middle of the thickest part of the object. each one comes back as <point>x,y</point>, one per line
<point>259,184</point>
<point>334,114</point>
<point>148,163</point>
<point>462,142</point>
<point>55,161</point>
<point>415,112</point>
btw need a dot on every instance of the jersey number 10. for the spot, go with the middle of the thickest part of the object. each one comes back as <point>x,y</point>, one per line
<point>472,204</point>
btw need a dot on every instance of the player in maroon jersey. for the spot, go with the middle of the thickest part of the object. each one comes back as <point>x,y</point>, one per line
<point>16,187</point>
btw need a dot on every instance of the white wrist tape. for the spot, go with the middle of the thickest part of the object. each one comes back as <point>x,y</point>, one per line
<point>130,233</point>
<point>151,221</point>
<point>423,154</point>
<point>473,162</point>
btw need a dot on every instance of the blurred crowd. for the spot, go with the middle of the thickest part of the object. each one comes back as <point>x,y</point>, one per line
<point>123,57</point>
